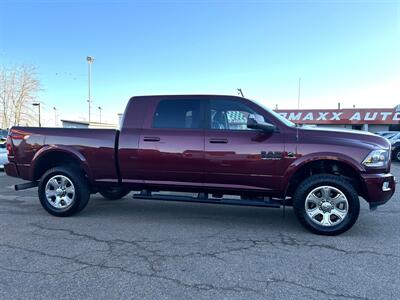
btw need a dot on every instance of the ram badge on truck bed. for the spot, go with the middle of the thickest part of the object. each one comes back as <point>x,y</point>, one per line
<point>227,149</point>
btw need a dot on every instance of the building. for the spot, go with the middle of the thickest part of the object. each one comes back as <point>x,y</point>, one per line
<point>368,119</point>
<point>84,124</point>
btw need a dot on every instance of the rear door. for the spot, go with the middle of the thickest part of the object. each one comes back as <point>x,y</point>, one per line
<point>171,145</point>
<point>238,157</point>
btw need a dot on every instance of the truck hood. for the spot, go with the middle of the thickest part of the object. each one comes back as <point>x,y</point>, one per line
<point>354,138</point>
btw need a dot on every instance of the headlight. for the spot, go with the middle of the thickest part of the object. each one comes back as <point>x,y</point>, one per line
<point>377,159</point>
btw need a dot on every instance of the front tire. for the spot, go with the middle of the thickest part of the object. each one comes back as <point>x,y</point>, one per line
<point>326,204</point>
<point>63,191</point>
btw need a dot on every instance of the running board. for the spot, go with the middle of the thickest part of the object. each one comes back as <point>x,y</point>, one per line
<point>226,201</point>
<point>27,185</point>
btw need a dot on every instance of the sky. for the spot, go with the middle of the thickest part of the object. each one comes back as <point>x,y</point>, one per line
<point>344,51</point>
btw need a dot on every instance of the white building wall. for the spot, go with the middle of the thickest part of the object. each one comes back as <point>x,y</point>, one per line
<point>367,127</point>
<point>335,126</point>
<point>376,128</point>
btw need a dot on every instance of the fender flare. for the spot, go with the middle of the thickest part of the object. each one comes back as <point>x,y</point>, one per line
<point>45,150</point>
<point>312,157</point>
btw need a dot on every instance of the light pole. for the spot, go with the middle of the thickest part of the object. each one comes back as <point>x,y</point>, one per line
<point>90,60</point>
<point>100,113</point>
<point>55,116</point>
<point>38,105</point>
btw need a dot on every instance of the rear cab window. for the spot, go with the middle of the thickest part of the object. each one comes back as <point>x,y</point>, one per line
<point>178,114</point>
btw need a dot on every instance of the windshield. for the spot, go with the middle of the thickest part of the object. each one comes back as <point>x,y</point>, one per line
<point>393,137</point>
<point>276,115</point>
<point>388,135</point>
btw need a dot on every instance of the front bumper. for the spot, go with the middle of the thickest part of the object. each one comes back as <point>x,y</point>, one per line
<point>378,188</point>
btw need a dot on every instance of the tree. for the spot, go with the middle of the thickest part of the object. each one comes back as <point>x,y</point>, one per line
<point>19,88</point>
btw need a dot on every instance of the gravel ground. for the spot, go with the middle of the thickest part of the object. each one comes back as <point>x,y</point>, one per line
<point>164,250</point>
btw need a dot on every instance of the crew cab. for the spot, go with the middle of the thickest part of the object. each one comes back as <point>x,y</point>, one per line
<point>223,149</point>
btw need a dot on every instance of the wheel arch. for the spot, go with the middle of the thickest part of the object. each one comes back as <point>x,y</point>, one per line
<point>50,157</point>
<point>341,165</point>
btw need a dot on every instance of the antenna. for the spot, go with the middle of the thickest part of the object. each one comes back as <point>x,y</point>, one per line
<point>240,92</point>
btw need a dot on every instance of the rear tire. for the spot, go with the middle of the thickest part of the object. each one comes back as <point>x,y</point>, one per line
<point>326,204</point>
<point>63,191</point>
<point>114,193</point>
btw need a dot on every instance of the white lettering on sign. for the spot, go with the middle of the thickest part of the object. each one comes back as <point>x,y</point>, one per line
<point>355,117</point>
<point>346,116</point>
<point>322,116</point>
<point>336,116</point>
<point>385,114</point>
<point>309,116</point>
<point>368,117</point>
<point>295,117</point>
<point>283,114</point>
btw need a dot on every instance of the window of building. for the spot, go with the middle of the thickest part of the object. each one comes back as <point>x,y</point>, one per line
<point>356,127</point>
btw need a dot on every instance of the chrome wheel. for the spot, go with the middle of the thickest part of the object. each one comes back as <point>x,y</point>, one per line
<point>326,206</point>
<point>60,192</point>
<point>398,155</point>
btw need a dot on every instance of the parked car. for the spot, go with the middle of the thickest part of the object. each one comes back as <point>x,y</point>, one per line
<point>210,145</point>
<point>393,138</point>
<point>3,134</point>
<point>387,134</point>
<point>3,153</point>
<point>395,141</point>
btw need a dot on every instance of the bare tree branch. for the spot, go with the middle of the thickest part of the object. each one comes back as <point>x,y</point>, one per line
<point>19,88</point>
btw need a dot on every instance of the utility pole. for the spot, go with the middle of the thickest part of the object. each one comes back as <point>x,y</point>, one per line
<point>90,60</point>
<point>240,92</point>
<point>38,105</point>
<point>100,113</point>
<point>298,95</point>
<point>55,116</point>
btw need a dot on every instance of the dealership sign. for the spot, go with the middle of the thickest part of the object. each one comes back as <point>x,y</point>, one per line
<point>342,116</point>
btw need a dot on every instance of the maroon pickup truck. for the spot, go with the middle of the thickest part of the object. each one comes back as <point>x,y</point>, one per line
<point>222,149</point>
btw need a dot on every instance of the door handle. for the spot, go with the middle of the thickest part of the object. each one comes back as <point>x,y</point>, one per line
<point>218,141</point>
<point>151,139</point>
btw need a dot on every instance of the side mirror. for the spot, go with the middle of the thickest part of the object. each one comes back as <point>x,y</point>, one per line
<point>258,122</point>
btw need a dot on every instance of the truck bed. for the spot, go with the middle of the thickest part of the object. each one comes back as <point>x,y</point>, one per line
<point>94,148</point>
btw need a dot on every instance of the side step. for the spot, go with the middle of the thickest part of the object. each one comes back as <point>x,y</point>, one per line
<point>27,185</point>
<point>226,201</point>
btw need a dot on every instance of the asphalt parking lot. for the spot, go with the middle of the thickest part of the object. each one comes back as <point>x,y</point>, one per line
<point>156,250</point>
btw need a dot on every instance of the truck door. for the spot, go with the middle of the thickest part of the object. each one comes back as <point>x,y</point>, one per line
<point>238,157</point>
<point>171,145</point>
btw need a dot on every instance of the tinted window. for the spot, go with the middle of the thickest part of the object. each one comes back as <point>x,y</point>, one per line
<point>177,114</point>
<point>229,115</point>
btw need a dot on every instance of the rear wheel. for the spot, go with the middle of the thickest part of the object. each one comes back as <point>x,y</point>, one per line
<point>114,193</point>
<point>326,204</point>
<point>63,191</point>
